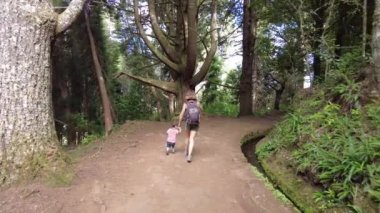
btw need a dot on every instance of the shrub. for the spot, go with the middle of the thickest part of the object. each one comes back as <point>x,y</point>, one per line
<point>222,109</point>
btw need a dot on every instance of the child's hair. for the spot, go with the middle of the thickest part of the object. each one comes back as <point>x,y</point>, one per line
<point>174,125</point>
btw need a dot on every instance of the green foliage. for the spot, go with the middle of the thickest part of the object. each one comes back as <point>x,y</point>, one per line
<point>79,123</point>
<point>233,80</point>
<point>334,140</point>
<point>133,105</point>
<point>54,168</point>
<point>135,100</point>
<point>338,150</point>
<point>219,100</point>
<point>90,138</point>
<point>342,81</point>
<point>373,114</point>
<point>222,109</point>
<point>211,92</point>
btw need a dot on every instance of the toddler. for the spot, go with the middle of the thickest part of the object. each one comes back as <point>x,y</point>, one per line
<point>171,139</point>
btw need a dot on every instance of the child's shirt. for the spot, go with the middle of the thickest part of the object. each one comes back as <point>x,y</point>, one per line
<point>172,134</point>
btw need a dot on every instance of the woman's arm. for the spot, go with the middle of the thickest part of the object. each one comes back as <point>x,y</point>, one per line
<point>181,114</point>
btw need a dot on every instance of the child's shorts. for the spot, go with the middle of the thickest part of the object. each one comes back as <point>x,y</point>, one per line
<point>170,144</point>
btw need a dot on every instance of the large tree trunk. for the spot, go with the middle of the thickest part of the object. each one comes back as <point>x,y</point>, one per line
<point>106,103</point>
<point>376,41</point>
<point>249,37</point>
<point>26,115</point>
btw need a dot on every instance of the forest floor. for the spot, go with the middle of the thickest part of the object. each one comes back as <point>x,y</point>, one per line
<point>130,172</point>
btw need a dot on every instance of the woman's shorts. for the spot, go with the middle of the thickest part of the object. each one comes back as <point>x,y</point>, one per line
<point>192,127</point>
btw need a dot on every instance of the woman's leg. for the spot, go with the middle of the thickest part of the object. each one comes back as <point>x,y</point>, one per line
<point>187,142</point>
<point>191,143</point>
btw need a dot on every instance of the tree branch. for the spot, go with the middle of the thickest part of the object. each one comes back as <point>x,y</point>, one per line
<point>206,64</point>
<point>227,36</point>
<point>160,56</point>
<point>191,36</point>
<point>68,16</point>
<point>170,87</point>
<point>223,85</point>
<point>161,38</point>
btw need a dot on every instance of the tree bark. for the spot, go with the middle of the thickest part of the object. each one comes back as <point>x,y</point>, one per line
<point>171,99</point>
<point>26,111</point>
<point>68,16</point>
<point>246,78</point>
<point>277,99</point>
<point>319,19</point>
<point>376,41</point>
<point>106,103</point>
<point>364,35</point>
<point>255,82</point>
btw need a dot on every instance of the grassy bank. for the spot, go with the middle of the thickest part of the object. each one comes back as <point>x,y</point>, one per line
<point>326,157</point>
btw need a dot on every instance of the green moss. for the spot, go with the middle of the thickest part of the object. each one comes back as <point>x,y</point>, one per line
<point>254,135</point>
<point>300,192</point>
<point>278,194</point>
<point>257,137</point>
<point>40,159</point>
<point>54,169</point>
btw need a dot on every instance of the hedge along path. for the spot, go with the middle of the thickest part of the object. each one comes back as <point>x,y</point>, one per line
<point>129,172</point>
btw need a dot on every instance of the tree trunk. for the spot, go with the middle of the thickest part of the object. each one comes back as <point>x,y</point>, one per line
<point>159,106</point>
<point>26,114</point>
<point>184,86</point>
<point>364,32</point>
<point>277,99</point>
<point>319,20</point>
<point>26,111</point>
<point>171,99</point>
<point>249,37</point>
<point>255,83</point>
<point>106,103</point>
<point>376,41</point>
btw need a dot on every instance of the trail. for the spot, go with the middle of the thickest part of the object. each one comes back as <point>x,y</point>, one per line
<point>129,172</point>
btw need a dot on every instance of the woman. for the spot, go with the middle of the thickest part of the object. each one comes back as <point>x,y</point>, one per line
<point>191,109</point>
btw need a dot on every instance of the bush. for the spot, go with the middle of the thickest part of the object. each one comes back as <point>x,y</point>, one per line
<point>222,109</point>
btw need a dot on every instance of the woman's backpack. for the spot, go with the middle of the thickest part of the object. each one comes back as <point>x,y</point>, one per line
<point>192,112</point>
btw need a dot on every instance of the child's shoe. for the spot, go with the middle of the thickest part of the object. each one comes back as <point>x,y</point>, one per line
<point>188,158</point>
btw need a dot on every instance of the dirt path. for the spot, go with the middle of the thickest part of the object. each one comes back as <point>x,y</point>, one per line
<point>131,173</point>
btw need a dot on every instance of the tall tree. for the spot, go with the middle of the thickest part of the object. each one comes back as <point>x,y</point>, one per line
<point>318,16</point>
<point>376,40</point>
<point>106,103</point>
<point>248,67</point>
<point>26,115</point>
<point>175,41</point>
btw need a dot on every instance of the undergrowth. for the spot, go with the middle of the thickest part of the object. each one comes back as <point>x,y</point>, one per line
<point>222,109</point>
<point>54,170</point>
<point>335,142</point>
